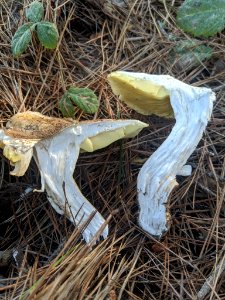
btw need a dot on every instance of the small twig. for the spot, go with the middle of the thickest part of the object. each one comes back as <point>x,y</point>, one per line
<point>219,88</point>
<point>56,252</point>
<point>216,272</point>
<point>212,279</point>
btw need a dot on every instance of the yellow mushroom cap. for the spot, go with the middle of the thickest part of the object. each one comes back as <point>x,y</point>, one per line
<point>106,138</point>
<point>141,94</point>
<point>55,145</point>
<point>11,154</point>
<point>24,130</point>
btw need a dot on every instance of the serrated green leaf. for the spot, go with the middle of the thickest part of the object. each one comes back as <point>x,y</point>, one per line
<point>35,12</point>
<point>202,17</point>
<point>83,98</point>
<point>66,106</point>
<point>47,34</point>
<point>21,39</point>
<point>189,54</point>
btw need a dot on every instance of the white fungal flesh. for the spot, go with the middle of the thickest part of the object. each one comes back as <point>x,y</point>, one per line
<point>185,171</point>
<point>56,158</point>
<point>192,108</point>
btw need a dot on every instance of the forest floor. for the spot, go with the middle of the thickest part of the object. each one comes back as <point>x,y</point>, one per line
<point>96,39</point>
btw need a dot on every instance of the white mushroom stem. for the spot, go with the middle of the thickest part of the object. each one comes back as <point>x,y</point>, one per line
<point>56,158</point>
<point>164,96</point>
<point>185,171</point>
<point>192,108</point>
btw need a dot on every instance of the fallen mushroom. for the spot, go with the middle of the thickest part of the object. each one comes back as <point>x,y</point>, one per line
<point>165,96</point>
<point>55,145</point>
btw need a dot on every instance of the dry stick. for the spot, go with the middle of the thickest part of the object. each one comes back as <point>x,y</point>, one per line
<point>212,279</point>
<point>215,274</point>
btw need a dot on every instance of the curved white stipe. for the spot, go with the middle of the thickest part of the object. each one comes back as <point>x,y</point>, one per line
<point>56,158</point>
<point>192,107</point>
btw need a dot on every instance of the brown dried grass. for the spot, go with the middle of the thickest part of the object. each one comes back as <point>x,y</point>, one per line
<point>95,40</point>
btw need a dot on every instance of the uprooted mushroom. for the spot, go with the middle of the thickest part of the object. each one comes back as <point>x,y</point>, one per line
<point>165,96</point>
<point>55,145</point>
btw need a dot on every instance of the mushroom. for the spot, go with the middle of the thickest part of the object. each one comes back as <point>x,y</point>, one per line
<point>55,145</point>
<point>165,96</point>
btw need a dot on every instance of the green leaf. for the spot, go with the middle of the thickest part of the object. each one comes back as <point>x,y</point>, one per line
<point>47,34</point>
<point>22,38</point>
<point>35,12</point>
<point>189,54</point>
<point>83,98</point>
<point>66,106</point>
<point>202,17</point>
